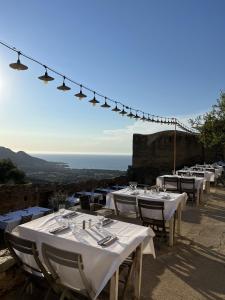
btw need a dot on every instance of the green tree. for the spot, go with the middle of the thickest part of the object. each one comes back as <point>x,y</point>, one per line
<point>10,173</point>
<point>211,127</point>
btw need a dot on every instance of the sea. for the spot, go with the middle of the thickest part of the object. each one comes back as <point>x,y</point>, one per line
<point>90,161</point>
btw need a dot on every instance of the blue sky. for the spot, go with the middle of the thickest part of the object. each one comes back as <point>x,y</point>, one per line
<point>164,57</point>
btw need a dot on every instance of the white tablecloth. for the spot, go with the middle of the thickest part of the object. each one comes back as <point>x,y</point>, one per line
<point>199,182</point>
<point>170,205</point>
<point>209,176</point>
<point>99,263</point>
<point>215,169</point>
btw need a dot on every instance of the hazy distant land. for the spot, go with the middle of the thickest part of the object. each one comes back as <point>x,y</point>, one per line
<point>41,171</point>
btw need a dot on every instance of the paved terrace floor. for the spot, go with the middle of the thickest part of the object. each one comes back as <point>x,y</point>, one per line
<point>195,267</point>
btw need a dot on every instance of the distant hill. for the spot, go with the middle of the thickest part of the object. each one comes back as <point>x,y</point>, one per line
<point>28,163</point>
<point>41,171</point>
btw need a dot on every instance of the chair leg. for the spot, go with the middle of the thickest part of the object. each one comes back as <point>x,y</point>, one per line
<point>23,289</point>
<point>127,280</point>
<point>48,293</point>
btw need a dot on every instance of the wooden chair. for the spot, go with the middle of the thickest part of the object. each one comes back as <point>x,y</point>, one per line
<point>33,273</point>
<point>158,224</point>
<point>196,174</point>
<point>52,256</point>
<point>181,173</point>
<point>125,205</point>
<point>171,183</point>
<point>187,185</point>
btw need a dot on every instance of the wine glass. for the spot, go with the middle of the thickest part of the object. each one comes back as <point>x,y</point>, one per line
<point>164,188</point>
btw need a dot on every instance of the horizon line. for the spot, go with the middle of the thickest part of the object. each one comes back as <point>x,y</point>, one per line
<point>77,153</point>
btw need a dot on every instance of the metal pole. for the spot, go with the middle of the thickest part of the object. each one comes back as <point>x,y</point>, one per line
<point>175,147</point>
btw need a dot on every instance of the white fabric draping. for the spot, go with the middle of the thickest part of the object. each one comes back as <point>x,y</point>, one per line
<point>171,200</point>
<point>209,176</point>
<point>99,263</point>
<point>199,182</point>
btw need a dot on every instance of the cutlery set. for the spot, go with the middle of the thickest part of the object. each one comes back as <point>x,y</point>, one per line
<point>103,242</point>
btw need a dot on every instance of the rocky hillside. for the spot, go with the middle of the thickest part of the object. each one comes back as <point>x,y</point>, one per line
<point>28,163</point>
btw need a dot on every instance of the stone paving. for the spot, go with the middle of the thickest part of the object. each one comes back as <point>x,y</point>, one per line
<point>194,269</point>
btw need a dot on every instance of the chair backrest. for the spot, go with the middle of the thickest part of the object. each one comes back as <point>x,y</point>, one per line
<point>53,256</point>
<point>146,206</point>
<point>180,173</point>
<point>171,183</point>
<point>125,204</point>
<point>85,202</point>
<point>25,219</point>
<point>15,243</point>
<point>187,184</point>
<point>210,170</point>
<point>196,174</point>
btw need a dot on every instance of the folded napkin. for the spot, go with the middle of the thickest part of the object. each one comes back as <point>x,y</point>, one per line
<point>109,241</point>
<point>58,229</point>
<point>70,214</point>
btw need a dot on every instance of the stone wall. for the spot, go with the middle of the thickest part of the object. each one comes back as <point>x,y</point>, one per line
<point>153,154</point>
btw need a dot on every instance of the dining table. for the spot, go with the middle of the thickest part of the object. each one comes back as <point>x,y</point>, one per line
<point>10,220</point>
<point>173,202</point>
<point>101,263</point>
<point>199,185</point>
<point>207,175</point>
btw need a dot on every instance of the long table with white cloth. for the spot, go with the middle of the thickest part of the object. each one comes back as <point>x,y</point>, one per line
<point>199,182</point>
<point>172,202</point>
<point>100,264</point>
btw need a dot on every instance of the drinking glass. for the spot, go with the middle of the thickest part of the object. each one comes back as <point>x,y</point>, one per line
<point>61,208</point>
<point>164,188</point>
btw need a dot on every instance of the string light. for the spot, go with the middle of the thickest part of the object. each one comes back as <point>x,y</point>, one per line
<point>94,101</point>
<point>18,65</point>
<point>105,105</point>
<point>136,116</point>
<point>123,112</point>
<point>80,95</point>
<point>116,109</point>
<point>46,78</point>
<point>130,115</point>
<point>63,87</point>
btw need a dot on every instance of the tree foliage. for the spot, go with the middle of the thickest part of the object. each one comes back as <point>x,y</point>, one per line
<point>10,173</point>
<point>211,126</point>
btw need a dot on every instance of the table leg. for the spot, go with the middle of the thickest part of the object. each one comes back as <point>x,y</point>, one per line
<point>138,272</point>
<point>114,283</point>
<point>207,187</point>
<point>171,222</point>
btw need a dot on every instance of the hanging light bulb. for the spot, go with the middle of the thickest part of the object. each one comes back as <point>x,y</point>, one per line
<point>143,118</point>
<point>105,105</point>
<point>130,115</point>
<point>18,66</point>
<point>123,112</point>
<point>136,117</point>
<point>94,101</point>
<point>46,78</point>
<point>63,87</point>
<point>80,95</point>
<point>116,109</point>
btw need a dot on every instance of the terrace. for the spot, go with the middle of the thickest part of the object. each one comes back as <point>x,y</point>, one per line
<point>185,271</point>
